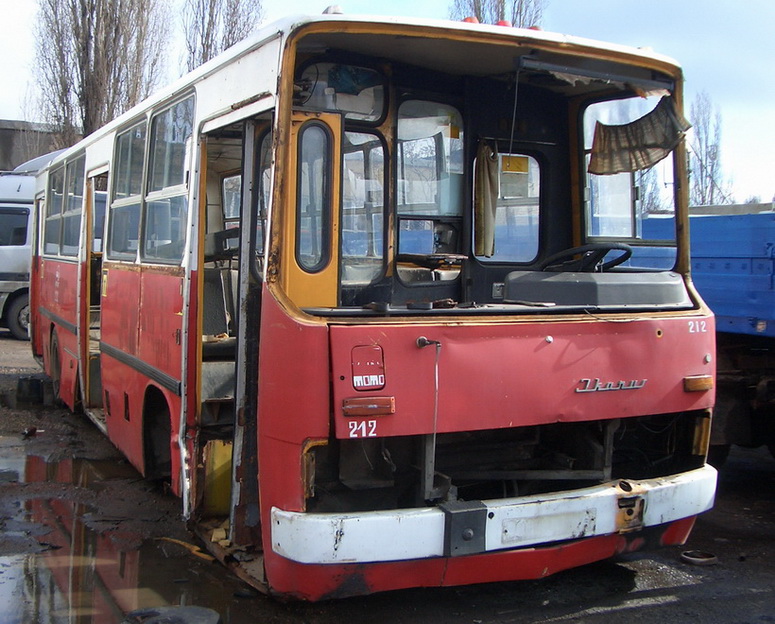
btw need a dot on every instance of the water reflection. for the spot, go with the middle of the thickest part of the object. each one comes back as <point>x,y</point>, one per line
<point>55,566</point>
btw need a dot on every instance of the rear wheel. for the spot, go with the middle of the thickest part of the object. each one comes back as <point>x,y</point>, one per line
<point>56,368</point>
<point>18,317</point>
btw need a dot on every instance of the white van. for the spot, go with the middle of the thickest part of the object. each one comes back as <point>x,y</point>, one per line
<point>17,193</point>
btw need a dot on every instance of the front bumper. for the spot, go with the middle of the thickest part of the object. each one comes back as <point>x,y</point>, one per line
<point>620,506</point>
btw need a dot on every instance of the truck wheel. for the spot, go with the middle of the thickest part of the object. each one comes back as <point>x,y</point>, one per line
<point>18,317</point>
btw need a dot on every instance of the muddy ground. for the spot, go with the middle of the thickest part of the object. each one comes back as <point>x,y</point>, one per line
<point>83,538</point>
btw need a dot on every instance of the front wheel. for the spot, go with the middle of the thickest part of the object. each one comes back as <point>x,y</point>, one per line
<point>18,317</point>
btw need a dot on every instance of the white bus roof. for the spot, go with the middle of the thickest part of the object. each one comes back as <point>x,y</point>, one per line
<point>444,58</point>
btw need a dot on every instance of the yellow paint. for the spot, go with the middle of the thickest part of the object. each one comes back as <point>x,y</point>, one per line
<point>514,164</point>
<point>306,289</point>
<point>217,489</point>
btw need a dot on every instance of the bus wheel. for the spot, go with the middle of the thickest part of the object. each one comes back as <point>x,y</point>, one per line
<point>56,368</point>
<point>19,317</point>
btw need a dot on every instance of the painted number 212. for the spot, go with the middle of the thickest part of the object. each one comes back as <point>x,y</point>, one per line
<point>698,327</point>
<point>363,429</point>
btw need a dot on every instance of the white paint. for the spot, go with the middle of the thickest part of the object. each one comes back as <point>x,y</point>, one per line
<point>403,534</point>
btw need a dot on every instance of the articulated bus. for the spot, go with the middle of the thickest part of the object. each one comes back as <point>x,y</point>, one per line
<point>374,297</point>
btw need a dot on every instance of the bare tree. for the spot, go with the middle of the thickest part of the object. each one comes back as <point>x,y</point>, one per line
<point>708,187</point>
<point>95,59</point>
<point>521,13</point>
<point>211,26</point>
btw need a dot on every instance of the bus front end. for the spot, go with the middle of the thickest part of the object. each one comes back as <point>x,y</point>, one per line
<point>481,356</point>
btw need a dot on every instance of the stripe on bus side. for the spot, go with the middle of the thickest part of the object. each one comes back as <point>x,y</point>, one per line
<point>153,373</point>
<point>73,329</point>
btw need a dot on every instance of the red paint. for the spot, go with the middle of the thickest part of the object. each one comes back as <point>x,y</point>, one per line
<point>520,374</point>
<point>507,375</point>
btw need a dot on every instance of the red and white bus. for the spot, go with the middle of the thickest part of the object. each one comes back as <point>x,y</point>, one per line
<point>373,295</point>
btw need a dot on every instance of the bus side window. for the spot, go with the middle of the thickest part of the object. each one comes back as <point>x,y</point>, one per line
<point>124,214</point>
<point>164,227</point>
<point>53,225</point>
<point>73,208</point>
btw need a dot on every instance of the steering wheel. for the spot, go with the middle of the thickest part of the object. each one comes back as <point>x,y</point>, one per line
<point>591,258</point>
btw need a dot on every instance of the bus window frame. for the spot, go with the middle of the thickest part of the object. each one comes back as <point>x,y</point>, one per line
<point>167,193</point>
<point>77,166</point>
<point>326,213</point>
<point>126,200</point>
<point>540,160</point>
<point>50,215</point>
<point>385,207</point>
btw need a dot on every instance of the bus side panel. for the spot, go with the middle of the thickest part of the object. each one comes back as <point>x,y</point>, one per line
<point>294,400</point>
<point>120,307</point>
<point>58,313</point>
<point>293,407</point>
<point>122,385</point>
<point>161,320</point>
<point>37,323</point>
<point>123,392</point>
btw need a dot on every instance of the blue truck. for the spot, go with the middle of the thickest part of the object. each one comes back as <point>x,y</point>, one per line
<point>733,267</point>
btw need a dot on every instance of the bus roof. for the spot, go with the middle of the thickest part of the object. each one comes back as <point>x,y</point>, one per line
<point>558,46</point>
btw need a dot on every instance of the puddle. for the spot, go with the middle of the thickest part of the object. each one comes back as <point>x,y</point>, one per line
<point>77,544</point>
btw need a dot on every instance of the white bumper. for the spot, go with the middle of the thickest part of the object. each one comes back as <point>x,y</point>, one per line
<point>401,534</point>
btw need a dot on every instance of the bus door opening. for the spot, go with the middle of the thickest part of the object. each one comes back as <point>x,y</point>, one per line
<point>234,220</point>
<point>97,187</point>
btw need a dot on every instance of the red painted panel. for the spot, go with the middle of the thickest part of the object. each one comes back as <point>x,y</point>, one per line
<point>59,288</point>
<point>161,320</point>
<point>293,404</point>
<point>294,397</point>
<point>506,375</point>
<point>120,306</point>
<point>36,321</point>
<point>56,292</point>
<point>124,387</point>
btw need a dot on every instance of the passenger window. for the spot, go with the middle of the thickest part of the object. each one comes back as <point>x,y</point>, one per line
<point>507,202</point>
<point>130,152</point>
<point>53,225</point>
<point>124,213</point>
<point>164,229</point>
<point>362,209</point>
<point>73,208</point>
<point>313,212</point>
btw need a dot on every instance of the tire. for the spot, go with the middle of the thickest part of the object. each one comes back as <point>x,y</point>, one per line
<point>56,369</point>
<point>18,317</point>
<point>717,454</point>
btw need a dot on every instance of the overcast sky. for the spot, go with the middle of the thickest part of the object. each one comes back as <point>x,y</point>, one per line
<point>726,48</point>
